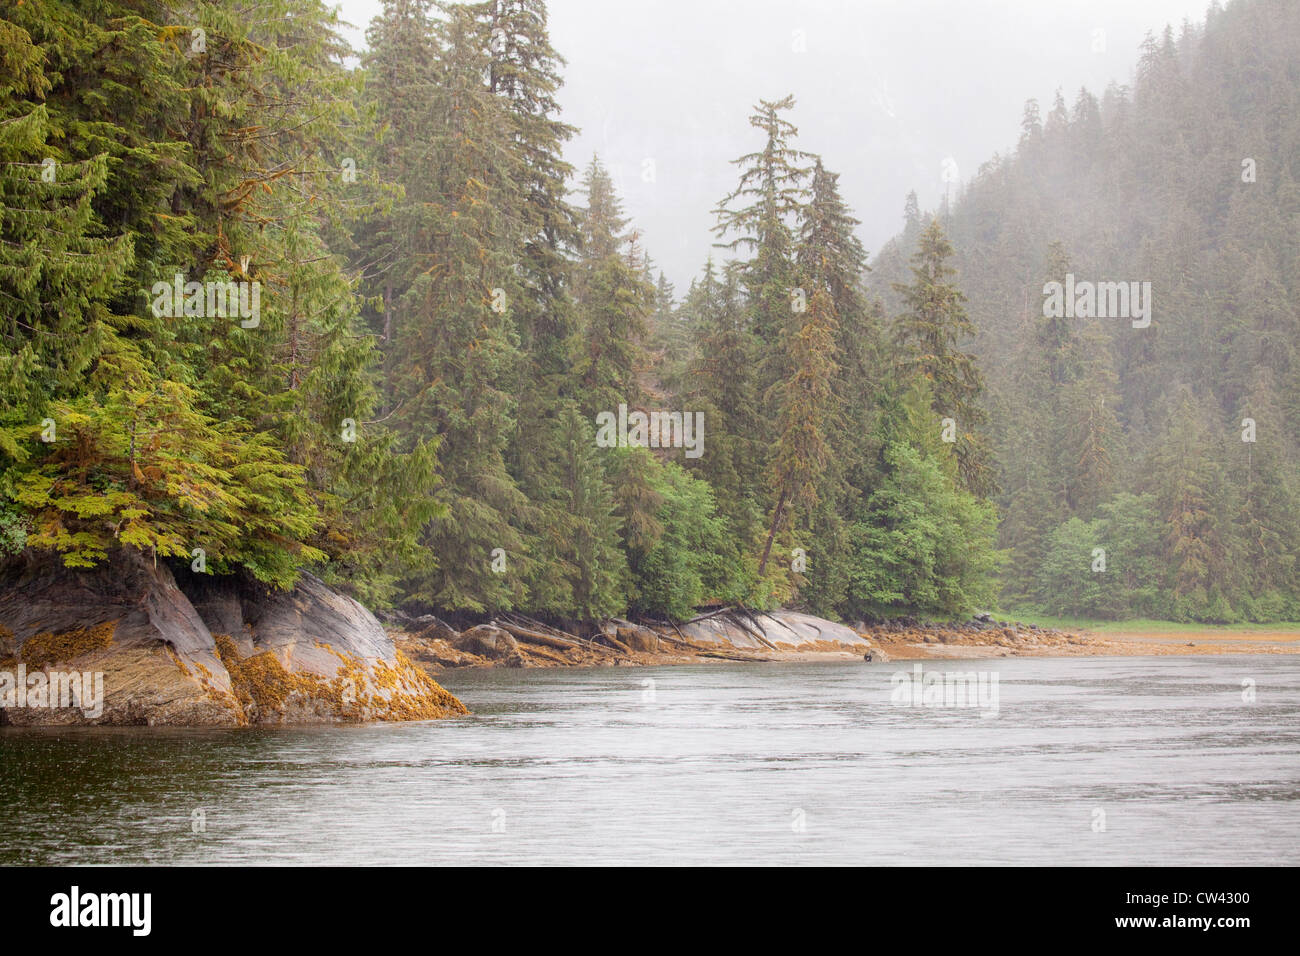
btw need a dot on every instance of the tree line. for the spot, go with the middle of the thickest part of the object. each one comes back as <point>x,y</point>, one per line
<point>1167,455</point>
<point>446,308</point>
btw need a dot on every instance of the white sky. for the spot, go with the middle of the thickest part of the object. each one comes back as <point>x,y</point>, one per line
<point>886,90</point>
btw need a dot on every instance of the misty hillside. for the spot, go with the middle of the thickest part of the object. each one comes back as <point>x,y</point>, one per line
<point>1188,180</point>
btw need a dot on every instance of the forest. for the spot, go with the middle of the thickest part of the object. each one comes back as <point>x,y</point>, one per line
<point>271,304</point>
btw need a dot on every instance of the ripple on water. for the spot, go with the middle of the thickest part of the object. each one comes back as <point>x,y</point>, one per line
<point>779,764</point>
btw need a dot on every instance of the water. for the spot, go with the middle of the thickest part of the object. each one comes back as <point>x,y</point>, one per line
<point>777,764</point>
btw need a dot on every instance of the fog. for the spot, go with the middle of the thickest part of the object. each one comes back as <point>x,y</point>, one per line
<point>886,92</point>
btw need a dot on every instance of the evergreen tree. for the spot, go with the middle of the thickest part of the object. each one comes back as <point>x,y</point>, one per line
<point>1189,493</point>
<point>402,66</point>
<point>831,259</point>
<point>760,215</point>
<point>724,388</point>
<point>457,353</point>
<point>523,73</point>
<point>929,333</point>
<point>614,303</point>
<point>589,541</point>
<point>920,540</point>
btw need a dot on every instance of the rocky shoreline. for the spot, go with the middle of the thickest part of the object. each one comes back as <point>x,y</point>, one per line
<point>184,649</point>
<point>784,636</point>
<point>727,635</point>
<point>134,642</point>
<point>516,641</point>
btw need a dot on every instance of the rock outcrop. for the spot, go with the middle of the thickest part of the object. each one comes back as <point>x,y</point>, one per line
<point>487,641</point>
<point>775,630</point>
<point>199,650</point>
<point>638,638</point>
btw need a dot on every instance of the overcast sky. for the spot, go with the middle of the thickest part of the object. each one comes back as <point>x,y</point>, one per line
<point>886,91</point>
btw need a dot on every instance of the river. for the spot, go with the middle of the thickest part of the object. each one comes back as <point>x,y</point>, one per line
<point>1087,760</point>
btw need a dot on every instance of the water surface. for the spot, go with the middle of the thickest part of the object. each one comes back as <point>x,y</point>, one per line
<point>1088,760</point>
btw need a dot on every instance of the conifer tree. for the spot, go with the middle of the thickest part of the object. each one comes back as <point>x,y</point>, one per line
<point>614,303</point>
<point>402,63</point>
<point>760,216</point>
<point>523,73</point>
<point>1189,485</point>
<point>809,401</point>
<point>457,357</point>
<point>806,401</point>
<point>831,259</point>
<point>723,386</point>
<point>589,542</point>
<point>929,333</point>
<point>1266,526</point>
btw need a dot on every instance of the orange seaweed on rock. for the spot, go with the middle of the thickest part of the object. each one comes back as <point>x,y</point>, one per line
<point>48,648</point>
<point>426,700</point>
<point>264,688</point>
<point>176,659</point>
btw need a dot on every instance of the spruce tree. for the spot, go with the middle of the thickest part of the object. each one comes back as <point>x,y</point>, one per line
<point>614,304</point>
<point>760,217</point>
<point>457,347</point>
<point>929,334</point>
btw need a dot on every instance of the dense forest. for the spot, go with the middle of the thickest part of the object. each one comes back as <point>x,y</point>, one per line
<point>268,306</point>
<point>1171,447</point>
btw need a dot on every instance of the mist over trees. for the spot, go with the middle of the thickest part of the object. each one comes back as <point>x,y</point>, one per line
<point>446,308</point>
<point>1173,447</point>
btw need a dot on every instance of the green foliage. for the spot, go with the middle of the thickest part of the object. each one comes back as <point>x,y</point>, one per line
<point>13,531</point>
<point>923,542</point>
<point>438,327</point>
<point>213,161</point>
<point>688,561</point>
<point>143,470</point>
<point>919,541</point>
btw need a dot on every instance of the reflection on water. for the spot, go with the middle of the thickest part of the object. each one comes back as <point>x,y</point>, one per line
<point>781,764</point>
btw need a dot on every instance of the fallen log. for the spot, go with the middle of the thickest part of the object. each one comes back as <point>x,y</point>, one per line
<point>770,617</point>
<point>705,617</point>
<point>440,623</point>
<point>752,632</point>
<point>543,654</point>
<point>683,642</point>
<point>546,640</point>
<point>612,642</point>
<point>532,624</point>
<point>736,657</point>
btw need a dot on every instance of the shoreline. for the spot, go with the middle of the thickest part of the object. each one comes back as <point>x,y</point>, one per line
<point>884,644</point>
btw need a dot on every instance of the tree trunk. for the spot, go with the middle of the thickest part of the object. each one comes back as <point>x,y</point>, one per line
<point>776,523</point>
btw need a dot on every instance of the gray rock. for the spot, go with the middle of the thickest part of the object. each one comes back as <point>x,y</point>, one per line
<point>639,638</point>
<point>148,620</point>
<point>486,641</point>
<point>321,656</point>
<point>779,627</point>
